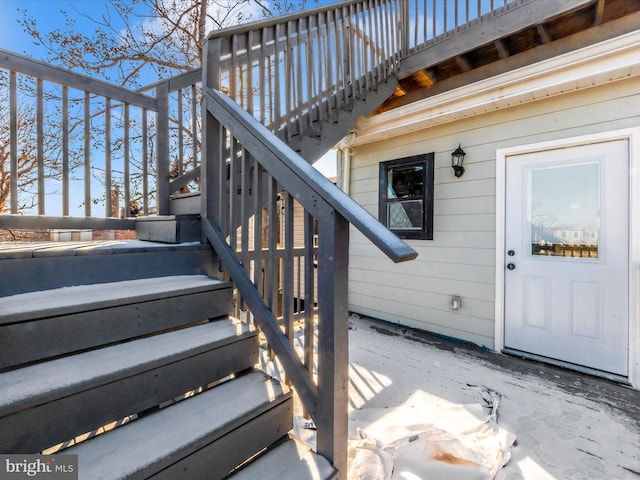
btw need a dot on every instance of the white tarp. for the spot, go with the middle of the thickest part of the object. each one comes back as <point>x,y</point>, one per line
<point>422,440</point>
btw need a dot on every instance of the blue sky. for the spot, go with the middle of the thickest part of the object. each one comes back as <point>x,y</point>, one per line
<point>47,14</point>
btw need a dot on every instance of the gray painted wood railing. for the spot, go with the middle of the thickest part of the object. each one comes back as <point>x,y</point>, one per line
<point>292,72</point>
<point>295,70</point>
<point>68,132</point>
<point>243,161</point>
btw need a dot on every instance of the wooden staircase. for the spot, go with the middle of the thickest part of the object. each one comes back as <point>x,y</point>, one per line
<point>141,376</point>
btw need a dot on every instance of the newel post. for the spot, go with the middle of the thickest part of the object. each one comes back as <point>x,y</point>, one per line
<point>162,116</point>
<point>211,135</point>
<point>333,342</point>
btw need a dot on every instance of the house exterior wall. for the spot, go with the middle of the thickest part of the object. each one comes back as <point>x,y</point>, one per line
<point>460,260</point>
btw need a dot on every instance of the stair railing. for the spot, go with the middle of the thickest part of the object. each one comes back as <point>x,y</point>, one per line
<point>179,100</point>
<point>244,165</point>
<point>293,71</point>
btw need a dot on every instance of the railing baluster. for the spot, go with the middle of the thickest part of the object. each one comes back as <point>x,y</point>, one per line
<point>107,159</point>
<point>309,292</point>
<point>145,171</point>
<point>163,150</point>
<point>250,95</point>
<point>258,278</point>
<point>445,24</point>
<point>13,140</point>
<point>87,154</point>
<point>194,124</point>
<point>261,75</point>
<point>388,33</point>
<point>272,244</point>
<point>277,82</point>
<point>287,291</point>
<point>298,72</point>
<point>308,53</point>
<point>126,159</point>
<point>371,59</point>
<point>288,79</point>
<point>245,187</point>
<point>180,138</point>
<point>328,67</point>
<point>65,150</point>
<point>233,185</point>
<point>320,70</point>
<point>434,23</point>
<point>382,71</point>
<point>233,93</point>
<point>332,20</point>
<point>40,143</point>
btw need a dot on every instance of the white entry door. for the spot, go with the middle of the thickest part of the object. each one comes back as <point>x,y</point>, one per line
<point>566,256</point>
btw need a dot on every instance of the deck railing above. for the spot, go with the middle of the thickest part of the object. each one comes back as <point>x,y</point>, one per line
<point>294,71</point>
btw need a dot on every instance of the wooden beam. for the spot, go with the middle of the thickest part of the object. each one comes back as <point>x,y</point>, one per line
<point>463,63</point>
<point>544,35</point>
<point>599,13</point>
<point>503,51</point>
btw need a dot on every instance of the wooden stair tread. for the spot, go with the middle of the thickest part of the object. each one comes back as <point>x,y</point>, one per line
<point>66,300</point>
<point>149,445</point>
<point>37,384</point>
<point>289,460</point>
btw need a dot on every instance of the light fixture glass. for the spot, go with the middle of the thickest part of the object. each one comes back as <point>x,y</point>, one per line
<point>457,159</point>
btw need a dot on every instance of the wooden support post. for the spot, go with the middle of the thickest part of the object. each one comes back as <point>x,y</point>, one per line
<point>333,342</point>
<point>163,182</point>
<point>211,141</point>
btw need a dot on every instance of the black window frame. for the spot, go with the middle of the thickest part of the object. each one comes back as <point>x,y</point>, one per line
<point>427,160</point>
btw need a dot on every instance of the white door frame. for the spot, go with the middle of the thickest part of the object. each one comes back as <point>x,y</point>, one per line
<point>633,137</point>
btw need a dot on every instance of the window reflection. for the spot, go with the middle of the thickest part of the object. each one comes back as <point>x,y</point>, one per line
<point>564,211</point>
<point>405,187</point>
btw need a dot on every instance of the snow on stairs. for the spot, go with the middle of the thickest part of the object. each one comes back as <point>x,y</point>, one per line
<point>162,354</point>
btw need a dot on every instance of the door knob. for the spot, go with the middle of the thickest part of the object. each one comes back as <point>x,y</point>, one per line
<point>511,253</point>
<point>511,266</point>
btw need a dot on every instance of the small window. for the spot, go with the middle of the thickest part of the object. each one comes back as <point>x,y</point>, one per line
<point>406,196</point>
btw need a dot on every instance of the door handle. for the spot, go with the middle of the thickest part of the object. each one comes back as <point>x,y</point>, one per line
<point>511,266</point>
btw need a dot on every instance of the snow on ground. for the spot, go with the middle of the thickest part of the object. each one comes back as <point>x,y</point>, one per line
<point>559,435</point>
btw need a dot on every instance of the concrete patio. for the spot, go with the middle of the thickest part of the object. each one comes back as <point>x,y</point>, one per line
<point>568,425</point>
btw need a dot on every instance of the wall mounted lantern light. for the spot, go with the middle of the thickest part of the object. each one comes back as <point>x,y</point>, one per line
<point>457,158</point>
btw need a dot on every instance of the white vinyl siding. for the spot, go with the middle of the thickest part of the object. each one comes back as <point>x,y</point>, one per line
<point>460,260</point>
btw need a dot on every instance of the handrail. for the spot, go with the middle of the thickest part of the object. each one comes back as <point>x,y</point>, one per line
<point>21,64</point>
<point>246,168</point>
<point>272,21</point>
<point>177,82</point>
<point>296,175</point>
